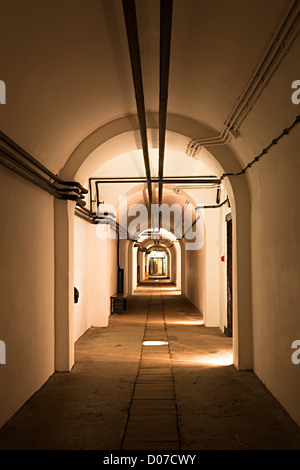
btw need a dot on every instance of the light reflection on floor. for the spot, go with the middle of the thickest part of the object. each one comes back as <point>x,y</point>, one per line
<point>154,343</point>
<point>185,322</point>
<point>224,358</point>
<point>184,352</point>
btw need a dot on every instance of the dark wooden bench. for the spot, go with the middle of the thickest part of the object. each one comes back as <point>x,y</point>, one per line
<point>118,303</point>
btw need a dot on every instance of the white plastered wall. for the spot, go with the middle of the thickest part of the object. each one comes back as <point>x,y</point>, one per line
<point>212,280</point>
<point>95,276</point>
<point>26,290</point>
<point>194,276</point>
<point>205,284</point>
<point>177,248</point>
<point>274,183</point>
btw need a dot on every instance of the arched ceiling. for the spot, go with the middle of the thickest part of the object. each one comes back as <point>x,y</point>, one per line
<point>135,216</point>
<point>131,165</point>
<point>122,136</point>
<point>161,244</point>
<point>67,69</point>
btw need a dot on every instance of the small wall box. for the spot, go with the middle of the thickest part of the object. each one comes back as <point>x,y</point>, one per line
<point>118,303</point>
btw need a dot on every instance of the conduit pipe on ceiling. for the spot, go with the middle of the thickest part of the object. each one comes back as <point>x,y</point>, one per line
<point>130,17</point>
<point>18,160</point>
<point>167,179</point>
<point>166,9</point>
<point>21,152</point>
<point>281,41</point>
<point>94,218</point>
<point>184,180</point>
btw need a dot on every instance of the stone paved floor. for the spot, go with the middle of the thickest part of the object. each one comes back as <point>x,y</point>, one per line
<point>153,421</point>
<point>122,394</point>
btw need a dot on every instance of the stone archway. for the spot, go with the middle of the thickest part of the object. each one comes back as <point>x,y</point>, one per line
<point>122,133</point>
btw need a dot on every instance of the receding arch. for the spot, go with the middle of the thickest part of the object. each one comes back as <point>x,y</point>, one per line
<point>121,135</point>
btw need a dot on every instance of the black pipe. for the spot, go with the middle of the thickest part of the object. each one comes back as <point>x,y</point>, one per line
<point>218,195</point>
<point>118,253</point>
<point>198,180</point>
<point>97,197</point>
<point>93,218</point>
<point>90,191</point>
<point>135,58</point>
<point>215,206</point>
<point>37,164</point>
<point>167,180</point>
<point>28,176</point>
<point>12,156</point>
<point>166,7</point>
<point>17,162</point>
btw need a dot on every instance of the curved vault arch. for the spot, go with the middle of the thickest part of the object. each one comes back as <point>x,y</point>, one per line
<point>174,261</point>
<point>137,196</point>
<point>122,134</point>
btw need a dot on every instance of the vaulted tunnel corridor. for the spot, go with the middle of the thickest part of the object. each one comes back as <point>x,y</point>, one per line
<point>124,393</point>
<point>149,267</point>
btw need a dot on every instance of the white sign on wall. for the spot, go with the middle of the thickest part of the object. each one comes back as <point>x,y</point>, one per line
<point>2,352</point>
<point>2,92</point>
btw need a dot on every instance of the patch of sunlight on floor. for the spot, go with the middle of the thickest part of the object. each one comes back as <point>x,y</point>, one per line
<point>221,359</point>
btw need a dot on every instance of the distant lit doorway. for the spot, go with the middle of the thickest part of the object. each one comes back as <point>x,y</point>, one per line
<point>157,264</point>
